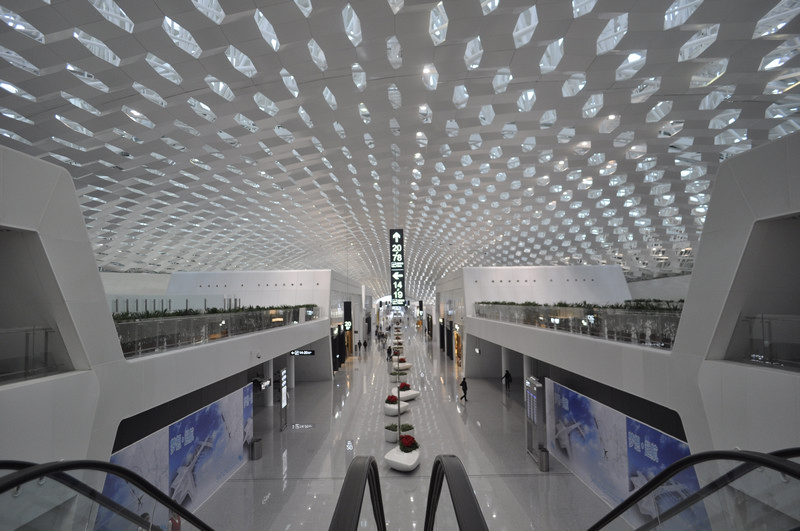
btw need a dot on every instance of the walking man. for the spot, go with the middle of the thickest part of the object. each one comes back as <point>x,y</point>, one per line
<point>507,378</point>
<point>464,388</point>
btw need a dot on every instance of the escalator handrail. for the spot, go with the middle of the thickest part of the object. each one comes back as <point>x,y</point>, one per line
<point>716,485</point>
<point>58,470</point>
<point>468,511</point>
<point>363,470</point>
<point>751,460</point>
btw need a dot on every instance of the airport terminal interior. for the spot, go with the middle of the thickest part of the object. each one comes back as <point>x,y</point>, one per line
<point>205,205</point>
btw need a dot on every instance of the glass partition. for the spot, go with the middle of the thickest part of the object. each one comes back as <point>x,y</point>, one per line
<point>31,352</point>
<point>147,336</point>
<point>767,339</point>
<point>652,329</point>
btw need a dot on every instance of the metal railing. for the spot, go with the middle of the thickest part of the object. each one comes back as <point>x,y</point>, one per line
<point>31,352</point>
<point>449,469</point>
<point>148,336</point>
<point>767,339</point>
<point>651,329</point>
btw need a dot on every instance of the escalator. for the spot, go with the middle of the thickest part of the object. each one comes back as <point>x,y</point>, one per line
<point>731,490</point>
<point>76,495</point>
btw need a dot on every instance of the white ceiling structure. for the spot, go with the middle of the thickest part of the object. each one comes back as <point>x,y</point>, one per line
<point>211,135</point>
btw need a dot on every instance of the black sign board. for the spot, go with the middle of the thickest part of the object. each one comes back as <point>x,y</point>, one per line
<point>397,267</point>
<point>302,352</point>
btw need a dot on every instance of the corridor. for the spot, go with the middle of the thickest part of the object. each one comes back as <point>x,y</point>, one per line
<point>295,485</point>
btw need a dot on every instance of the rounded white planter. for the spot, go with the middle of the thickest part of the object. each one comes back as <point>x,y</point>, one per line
<point>402,366</point>
<point>392,409</point>
<point>391,436</point>
<point>402,461</point>
<point>406,396</point>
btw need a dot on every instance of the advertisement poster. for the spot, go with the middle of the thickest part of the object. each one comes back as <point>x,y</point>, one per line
<point>188,460</point>
<point>615,454</point>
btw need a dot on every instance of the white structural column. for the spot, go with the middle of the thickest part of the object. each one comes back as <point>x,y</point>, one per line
<point>505,360</point>
<point>289,371</point>
<point>271,376</point>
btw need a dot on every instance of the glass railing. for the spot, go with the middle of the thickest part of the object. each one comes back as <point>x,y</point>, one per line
<point>767,339</point>
<point>651,329</point>
<point>31,352</point>
<point>85,495</point>
<point>149,336</point>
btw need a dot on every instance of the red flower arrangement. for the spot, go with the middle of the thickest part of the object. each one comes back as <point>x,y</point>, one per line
<point>391,399</point>
<point>408,443</point>
<point>404,386</point>
<point>401,360</point>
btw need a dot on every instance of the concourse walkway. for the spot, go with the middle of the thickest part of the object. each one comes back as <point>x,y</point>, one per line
<point>296,483</point>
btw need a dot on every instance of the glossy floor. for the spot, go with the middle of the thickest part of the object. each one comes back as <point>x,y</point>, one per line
<point>296,483</point>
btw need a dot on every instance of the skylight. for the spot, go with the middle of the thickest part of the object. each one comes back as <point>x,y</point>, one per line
<point>709,73</point>
<point>290,82</point>
<point>437,25</point>
<point>460,96</point>
<point>780,55</point>
<point>582,7</point>
<point>525,26</point>
<point>501,80</point>
<point>181,37</point>
<point>552,56</point>
<point>202,110</point>
<point>164,69</point>
<point>113,13</point>
<point>87,78</point>
<point>777,18</point>
<point>612,34</point>
<point>352,25</point>
<point>317,55</point>
<point>138,117</point>
<point>526,100</point>
<point>430,76</point>
<point>329,98</point>
<point>395,98</point>
<point>473,53</point>
<point>17,60</point>
<point>267,31</point>
<point>21,25</point>
<point>304,6</point>
<point>679,12</point>
<point>240,61</point>
<point>359,77</point>
<point>698,43</point>
<point>265,104</point>
<point>96,46</point>
<point>394,52</point>
<point>211,9</point>
<point>220,88</point>
<point>13,89</point>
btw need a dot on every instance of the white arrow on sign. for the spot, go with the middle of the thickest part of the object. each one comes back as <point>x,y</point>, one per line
<point>397,275</point>
<point>396,236</point>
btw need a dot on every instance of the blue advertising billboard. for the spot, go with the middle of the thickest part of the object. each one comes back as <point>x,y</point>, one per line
<point>188,460</point>
<point>614,454</point>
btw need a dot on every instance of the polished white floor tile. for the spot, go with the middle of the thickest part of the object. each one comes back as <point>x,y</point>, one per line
<point>296,483</point>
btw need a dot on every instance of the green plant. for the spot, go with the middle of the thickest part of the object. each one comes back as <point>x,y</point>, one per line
<point>398,373</point>
<point>403,427</point>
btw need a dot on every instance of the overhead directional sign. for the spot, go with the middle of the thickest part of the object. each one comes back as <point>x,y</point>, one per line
<point>397,267</point>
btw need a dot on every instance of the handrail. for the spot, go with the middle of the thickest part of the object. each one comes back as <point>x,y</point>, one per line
<point>751,460</point>
<point>58,469</point>
<point>363,469</point>
<point>468,511</point>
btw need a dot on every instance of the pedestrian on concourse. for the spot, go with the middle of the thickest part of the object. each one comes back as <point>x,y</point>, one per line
<point>464,388</point>
<point>507,378</point>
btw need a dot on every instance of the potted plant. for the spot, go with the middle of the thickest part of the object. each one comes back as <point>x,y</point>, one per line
<point>394,407</point>
<point>390,431</point>
<point>404,386</point>
<point>396,375</point>
<point>408,443</point>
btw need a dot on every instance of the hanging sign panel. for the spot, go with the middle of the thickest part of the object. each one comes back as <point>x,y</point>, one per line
<point>397,267</point>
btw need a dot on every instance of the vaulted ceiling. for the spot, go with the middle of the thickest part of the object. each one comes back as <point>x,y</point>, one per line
<point>250,134</point>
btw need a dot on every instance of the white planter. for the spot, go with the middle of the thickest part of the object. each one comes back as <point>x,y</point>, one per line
<point>391,436</point>
<point>402,461</point>
<point>392,409</point>
<point>406,396</point>
<point>402,366</point>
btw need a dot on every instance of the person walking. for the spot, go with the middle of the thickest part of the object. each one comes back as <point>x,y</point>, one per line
<point>464,388</point>
<point>507,378</point>
<point>389,353</point>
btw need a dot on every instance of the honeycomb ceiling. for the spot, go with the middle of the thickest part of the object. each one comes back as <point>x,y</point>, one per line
<point>250,134</point>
